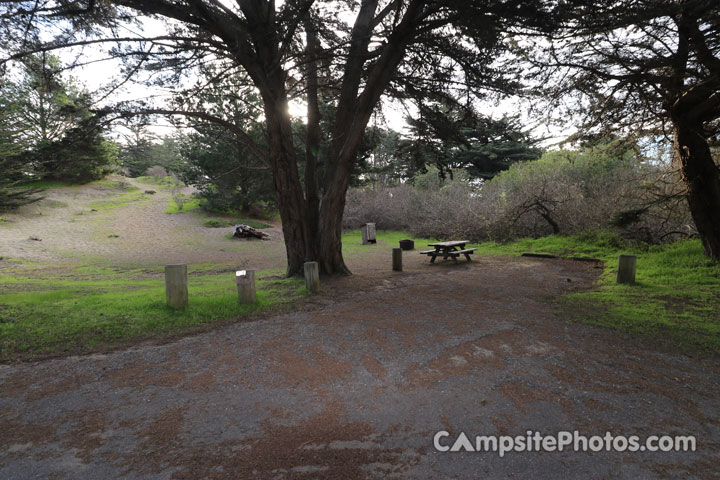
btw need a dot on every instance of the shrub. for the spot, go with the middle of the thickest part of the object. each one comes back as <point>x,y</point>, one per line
<point>563,192</point>
<point>179,198</point>
<point>217,223</point>
<point>156,171</point>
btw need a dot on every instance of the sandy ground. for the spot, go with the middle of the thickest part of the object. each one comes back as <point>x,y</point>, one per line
<point>352,385</point>
<point>70,232</point>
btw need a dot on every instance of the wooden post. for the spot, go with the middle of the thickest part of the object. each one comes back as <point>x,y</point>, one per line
<point>312,276</point>
<point>176,285</point>
<point>397,259</point>
<point>245,280</point>
<point>371,233</point>
<point>626,268</point>
<point>368,233</point>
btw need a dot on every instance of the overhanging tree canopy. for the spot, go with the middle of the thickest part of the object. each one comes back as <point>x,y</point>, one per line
<point>46,128</point>
<point>648,67</point>
<point>343,53</point>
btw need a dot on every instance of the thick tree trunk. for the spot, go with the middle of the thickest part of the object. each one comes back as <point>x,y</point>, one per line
<point>292,214</point>
<point>312,229</point>
<point>312,225</point>
<point>291,201</point>
<point>312,142</point>
<point>330,255</point>
<point>702,178</point>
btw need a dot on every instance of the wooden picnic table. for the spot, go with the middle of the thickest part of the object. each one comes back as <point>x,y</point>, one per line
<point>451,249</point>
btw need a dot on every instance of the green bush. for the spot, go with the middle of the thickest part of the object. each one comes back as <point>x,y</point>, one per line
<point>217,223</point>
<point>564,192</point>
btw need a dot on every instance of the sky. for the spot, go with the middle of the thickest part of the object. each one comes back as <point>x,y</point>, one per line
<point>99,74</point>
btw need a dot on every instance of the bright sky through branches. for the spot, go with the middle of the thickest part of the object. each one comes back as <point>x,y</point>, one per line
<point>102,73</point>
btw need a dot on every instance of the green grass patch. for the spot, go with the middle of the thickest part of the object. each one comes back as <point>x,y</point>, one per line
<point>223,222</point>
<point>675,301</point>
<point>120,200</point>
<point>123,194</point>
<point>162,182</point>
<point>352,241</point>
<point>45,311</point>
<point>600,245</point>
<point>183,203</point>
<point>115,184</point>
<point>676,297</point>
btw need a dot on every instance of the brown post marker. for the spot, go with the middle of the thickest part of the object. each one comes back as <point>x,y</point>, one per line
<point>176,286</point>
<point>312,276</point>
<point>368,233</point>
<point>627,265</point>
<point>397,259</point>
<point>245,280</point>
<point>370,229</point>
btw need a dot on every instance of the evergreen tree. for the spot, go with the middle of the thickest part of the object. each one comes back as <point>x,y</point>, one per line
<point>48,125</point>
<point>452,137</point>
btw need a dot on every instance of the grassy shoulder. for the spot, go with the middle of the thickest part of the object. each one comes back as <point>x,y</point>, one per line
<point>352,241</point>
<point>181,203</point>
<point>675,300</point>
<point>48,310</point>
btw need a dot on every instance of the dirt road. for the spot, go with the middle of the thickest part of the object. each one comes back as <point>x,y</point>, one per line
<point>356,386</point>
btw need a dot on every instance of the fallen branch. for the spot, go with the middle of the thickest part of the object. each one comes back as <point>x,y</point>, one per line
<point>246,231</point>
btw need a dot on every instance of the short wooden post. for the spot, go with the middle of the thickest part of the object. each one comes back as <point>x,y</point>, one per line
<point>371,233</point>
<point>397,259</point>
<point>245,280</point>
<point>626,268</point>
<point>368,233</point>
<point>312,276</point>
<point>176,285</point>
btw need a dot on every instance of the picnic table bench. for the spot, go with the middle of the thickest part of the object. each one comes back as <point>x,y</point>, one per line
<point>452,249</point>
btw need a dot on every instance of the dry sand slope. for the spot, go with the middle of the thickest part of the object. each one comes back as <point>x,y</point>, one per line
<point>70,232</point>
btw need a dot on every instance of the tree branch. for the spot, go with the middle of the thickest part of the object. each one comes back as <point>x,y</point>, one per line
<point>258,150</point>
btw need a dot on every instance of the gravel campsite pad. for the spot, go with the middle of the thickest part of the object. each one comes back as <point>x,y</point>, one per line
<point>357,383</point>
